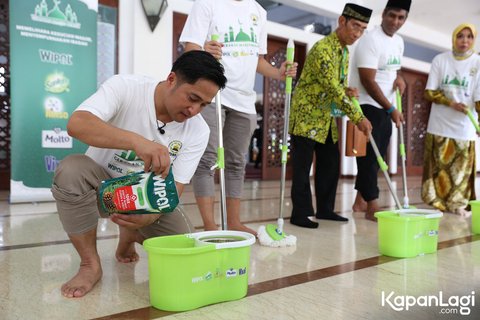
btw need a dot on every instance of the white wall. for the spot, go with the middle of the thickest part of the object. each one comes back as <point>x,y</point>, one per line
<point>144,52</point>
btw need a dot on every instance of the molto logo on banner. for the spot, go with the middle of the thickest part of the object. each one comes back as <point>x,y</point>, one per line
<point>56,138</point>
<point>54,108</point>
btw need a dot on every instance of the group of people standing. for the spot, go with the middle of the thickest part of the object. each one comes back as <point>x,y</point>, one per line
<point>171,124</point>
<point>323,92</point>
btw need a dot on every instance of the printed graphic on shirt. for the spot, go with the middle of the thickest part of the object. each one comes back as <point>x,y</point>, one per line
<point>125,163</point>
<point>393,63</point>
<point>454,81</point>
<point>241,43</point>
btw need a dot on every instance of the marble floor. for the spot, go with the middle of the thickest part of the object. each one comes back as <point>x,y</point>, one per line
<point>334,272</point>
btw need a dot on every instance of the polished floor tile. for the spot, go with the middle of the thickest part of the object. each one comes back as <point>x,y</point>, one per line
<point>334,272</point>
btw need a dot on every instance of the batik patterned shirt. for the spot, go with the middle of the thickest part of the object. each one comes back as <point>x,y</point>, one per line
<point>320,89</point>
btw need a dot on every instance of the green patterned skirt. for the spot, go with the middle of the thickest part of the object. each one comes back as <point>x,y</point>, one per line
<point>449,172</point>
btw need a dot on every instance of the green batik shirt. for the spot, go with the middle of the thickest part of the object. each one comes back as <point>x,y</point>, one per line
<point>322,85</point>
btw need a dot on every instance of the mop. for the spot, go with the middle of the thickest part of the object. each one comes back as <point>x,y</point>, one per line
<point>381,163</point>
<point>401,147</point>
<point>220,163</point>
<point>474,121</point>
<point>273,235</point>
<point>401,211</point>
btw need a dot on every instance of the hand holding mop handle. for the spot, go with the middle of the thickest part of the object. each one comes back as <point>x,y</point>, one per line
<point>474,121</point>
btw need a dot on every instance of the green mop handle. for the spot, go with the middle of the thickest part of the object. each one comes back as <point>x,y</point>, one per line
<point>288,92</point>
<point>401,146</point>
<point>290,54</point>
<point>220,164</point>
<point>399,100</point>
<point>284,145</point>
<point>474,121</point>
<point>356,104</point>
<point>383,165</point>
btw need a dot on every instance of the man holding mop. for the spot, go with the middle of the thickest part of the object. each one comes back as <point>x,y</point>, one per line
<point>376,68</point>
<point>322,93</point>
<point>242,44</point>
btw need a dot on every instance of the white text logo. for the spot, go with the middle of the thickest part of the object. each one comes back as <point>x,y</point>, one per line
<point>450,305</point>
<point>56,139</point>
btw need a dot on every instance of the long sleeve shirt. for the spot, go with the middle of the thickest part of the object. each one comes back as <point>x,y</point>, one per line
<point>322,85</point>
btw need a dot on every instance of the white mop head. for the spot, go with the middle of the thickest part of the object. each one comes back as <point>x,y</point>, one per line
<point>266,240</point>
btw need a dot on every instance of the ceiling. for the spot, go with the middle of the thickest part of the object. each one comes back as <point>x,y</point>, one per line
<point>439,16</point>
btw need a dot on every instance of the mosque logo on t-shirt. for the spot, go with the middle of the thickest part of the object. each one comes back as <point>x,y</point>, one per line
<point>241,35</point>
<point>393,63</point>
<point>454,81</point>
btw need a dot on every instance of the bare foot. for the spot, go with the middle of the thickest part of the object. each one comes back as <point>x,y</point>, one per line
<point>372,207</point>
<point>126,246</point>
<point>241,227</point>
<point>359,205</point>
<point>370,216</point>
<point>86,278</point>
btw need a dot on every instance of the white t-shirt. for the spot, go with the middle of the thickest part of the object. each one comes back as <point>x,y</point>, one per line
<point>460,82</point>
<point>376,50</point>
<point>127,102</point>
<point>241,27</point>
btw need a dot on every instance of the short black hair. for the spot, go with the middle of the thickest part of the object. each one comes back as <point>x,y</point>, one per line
<point>197,64</point>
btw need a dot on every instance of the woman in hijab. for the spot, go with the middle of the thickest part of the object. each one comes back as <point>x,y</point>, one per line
<point>453,87</point>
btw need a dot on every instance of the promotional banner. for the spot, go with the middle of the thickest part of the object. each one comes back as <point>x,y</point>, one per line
<point>53,54</point>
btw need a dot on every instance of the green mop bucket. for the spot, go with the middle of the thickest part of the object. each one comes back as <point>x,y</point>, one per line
<point>408,233</point>
<point>475,206</point>
<point>194,270</point>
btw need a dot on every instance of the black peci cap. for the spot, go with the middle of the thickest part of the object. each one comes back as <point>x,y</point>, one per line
<point>399,4</point>
<point>355,11</point>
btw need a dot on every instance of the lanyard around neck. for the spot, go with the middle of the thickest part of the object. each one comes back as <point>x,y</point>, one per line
<point>343,64</point>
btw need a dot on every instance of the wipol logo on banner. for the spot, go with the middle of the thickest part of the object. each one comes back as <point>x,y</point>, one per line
<point>53,50</point>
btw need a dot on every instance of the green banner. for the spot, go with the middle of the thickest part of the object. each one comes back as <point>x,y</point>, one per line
<point>53,54</point>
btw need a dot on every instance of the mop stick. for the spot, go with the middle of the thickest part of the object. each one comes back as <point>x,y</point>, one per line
<point>220,164</point>
<point>381,163</point>
<point>272,235</point>
<point>284,145</point>
<point>384,168</point>
<point>401,147</point>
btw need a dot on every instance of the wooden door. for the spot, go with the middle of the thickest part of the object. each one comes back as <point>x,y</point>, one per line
<point>416,111</point>
<point>179,20</point>
<point>273,108</point>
